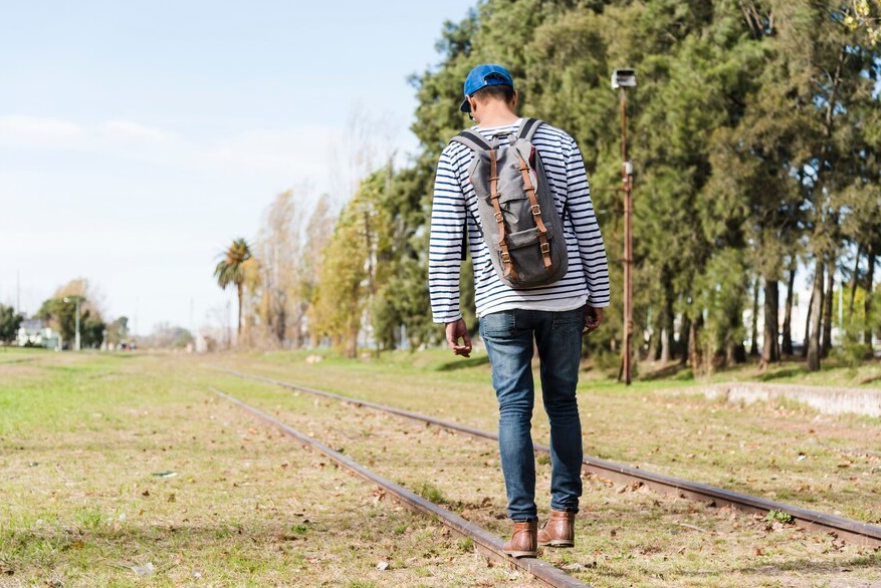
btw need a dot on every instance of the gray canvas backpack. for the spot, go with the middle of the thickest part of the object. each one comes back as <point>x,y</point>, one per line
<point>518,217</point>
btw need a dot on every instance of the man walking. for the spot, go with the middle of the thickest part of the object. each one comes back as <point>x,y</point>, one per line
<point>518,189</point>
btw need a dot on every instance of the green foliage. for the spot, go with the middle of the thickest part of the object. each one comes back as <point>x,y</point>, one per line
<point>10,321</point>
<point>352,268</point>
<point>60,313</point>
<point>117,331</point>
<point>776,516</point>
<point>754,133</point>
<point>231,270</point>
<point>430,492</point>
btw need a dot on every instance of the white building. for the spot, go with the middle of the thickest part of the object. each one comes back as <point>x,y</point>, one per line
<point>33,333</point>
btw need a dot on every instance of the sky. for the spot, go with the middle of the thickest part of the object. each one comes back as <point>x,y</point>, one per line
<point>138,139</point>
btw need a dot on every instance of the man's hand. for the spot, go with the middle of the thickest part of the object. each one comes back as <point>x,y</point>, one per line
<point>592,318</point>
<point>454,331</point>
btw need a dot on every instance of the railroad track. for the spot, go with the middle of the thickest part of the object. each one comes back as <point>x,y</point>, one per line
<point>18,360</point>
<point>848,529</point>
<point>486,542</point>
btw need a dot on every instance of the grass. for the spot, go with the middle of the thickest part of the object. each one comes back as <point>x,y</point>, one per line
<point>81,438</point>
<point>781,451</point>
<point>627,536</point>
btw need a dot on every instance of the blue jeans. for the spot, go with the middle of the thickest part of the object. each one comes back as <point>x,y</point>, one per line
<point>508,336</point>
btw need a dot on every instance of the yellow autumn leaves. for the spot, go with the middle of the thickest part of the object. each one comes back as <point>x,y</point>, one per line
<point>866,13</point>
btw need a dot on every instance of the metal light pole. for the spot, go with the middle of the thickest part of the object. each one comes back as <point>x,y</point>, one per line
<point>621,80</point>
<point>76,300</point>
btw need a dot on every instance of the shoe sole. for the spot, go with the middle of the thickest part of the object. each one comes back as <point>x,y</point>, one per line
<point>557,543</point>
<point>519,554</point>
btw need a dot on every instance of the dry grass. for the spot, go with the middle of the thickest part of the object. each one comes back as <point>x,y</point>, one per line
<point>628,536</point>
<point>82,437</point>
<point>780,451</point>
<point>81,442</point>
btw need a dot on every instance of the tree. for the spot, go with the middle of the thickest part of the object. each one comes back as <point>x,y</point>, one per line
<point>754,133</point>
<point>355,266</point>
<point>117,331</point>
<point>10,321</point>
<point>319,231</point>
<point>230,270</point>
<point>277,281</point>
<point>866,13</point>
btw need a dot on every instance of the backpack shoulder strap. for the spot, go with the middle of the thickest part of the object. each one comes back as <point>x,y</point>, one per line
<point>528,128</point>
<point>472,140</point>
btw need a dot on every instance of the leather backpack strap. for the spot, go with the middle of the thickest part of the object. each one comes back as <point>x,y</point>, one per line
<point>510,271</point>
<point>536,214</point>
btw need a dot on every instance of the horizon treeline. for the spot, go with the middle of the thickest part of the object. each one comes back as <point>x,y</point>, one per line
<point>754,133</point>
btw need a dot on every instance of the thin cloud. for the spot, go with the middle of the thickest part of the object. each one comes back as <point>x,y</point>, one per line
<point>132,130</point>
<point>23,129</point>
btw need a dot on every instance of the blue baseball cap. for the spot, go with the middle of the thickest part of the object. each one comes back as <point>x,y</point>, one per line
<point>488,74</point>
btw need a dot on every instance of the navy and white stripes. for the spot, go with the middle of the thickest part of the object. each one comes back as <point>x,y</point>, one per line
<point>455,204</point>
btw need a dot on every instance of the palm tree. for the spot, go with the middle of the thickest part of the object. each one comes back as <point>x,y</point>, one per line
<point>231,270</point>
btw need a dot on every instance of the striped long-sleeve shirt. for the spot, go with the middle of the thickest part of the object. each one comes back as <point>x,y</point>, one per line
<point>455,204</point>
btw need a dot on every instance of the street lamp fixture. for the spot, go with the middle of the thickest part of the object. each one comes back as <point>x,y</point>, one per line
<point>76,300</point>
<point>621,80</point>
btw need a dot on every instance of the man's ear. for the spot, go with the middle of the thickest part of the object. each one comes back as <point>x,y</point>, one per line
<point>473,103</point>
<point>514,100</point>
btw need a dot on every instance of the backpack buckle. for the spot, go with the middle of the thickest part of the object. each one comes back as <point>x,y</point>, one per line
<point>499,218</point>
<point>545,247</point>
<point>506,257</point>
<point>536,210</point>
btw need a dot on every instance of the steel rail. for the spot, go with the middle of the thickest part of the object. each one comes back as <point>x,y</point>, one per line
<point>19,360</point>
<point>849,529</point>
<point>488,543</point>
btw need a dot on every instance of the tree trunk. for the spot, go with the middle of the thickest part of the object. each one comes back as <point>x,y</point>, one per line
<point>694,345</point>
<point>806,344</point>
<point>787,317</point>
<point>754,348</point>
<point>667,339</point>
<point>654,347</point>
<point>684,339</point>
<point>352,341</point>
<point>854,281</point>
<point>870,287</point>
<point>816,314</point>
<point>770,346</point>
<point>735,352</point>
<point>730,351</point>
<point>827,309</point>
<point>241,292</point>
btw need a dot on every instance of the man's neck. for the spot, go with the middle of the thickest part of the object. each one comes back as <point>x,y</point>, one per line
<point>498,117</point>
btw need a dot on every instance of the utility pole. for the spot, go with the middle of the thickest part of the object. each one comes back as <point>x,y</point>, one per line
<point>621,80</point>
<point>76,300</point>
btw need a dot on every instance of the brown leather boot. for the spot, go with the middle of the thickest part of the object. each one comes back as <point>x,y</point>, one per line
<point>559,531</point>
<point>522,543</point>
